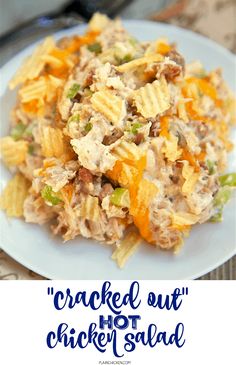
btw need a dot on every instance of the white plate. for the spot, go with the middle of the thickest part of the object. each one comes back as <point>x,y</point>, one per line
<point>208,246</point>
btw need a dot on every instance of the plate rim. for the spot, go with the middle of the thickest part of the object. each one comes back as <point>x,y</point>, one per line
<point>44,274</point>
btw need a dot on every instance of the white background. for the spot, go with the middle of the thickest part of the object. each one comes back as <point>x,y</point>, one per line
<point>27,314</point>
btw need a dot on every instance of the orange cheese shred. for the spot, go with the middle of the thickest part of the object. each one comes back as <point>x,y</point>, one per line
<point>188,156</point>
<point>164,120</point>
<point>163,48</point>
<point>129,173</point>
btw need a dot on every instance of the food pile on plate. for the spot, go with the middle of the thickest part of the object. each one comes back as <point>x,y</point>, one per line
<point>111,135</point>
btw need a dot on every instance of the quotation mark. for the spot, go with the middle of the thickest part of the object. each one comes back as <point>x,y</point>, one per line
<point>50,290</point>
<point>184,291</point>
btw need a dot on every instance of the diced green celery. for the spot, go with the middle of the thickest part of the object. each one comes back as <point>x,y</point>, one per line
<point>74,118</point>
<point>31,149</point>
<point>18,131</point>
<point>126,58</point>
<point>211,167</point>
<point>49,196</point>
<point>217,217</point>
<point>135,127</point>
<point>28,131</point>
<point>95,47</point>
<point>133,41</point>
<point>73,91</point>
<point>88,127</point>
<point>222,197</point>
<point>228,180</point>
<point>120,197</point>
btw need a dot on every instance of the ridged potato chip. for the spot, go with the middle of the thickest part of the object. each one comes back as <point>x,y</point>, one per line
<point>43,89</point>
<point>132,65</point>
<point>13,196</point>
<point>98,22</point>
<point>184,219</point>
<point>152,99</point>
<point>52,60</point>
<point>33,90</point>
<point>170,149</point>
<point>34,64</point>
<point>52,142</point>
<point>192,90</point>
<point>127,150</point>
<point>53,83</point>
<point>231,108</point>
<point>190,177</point>
<point>127,175</point>
<point>110,105</point>
<point>126,248</point>
<point>182,113</point>
<point>90,208</point>
<point>13,152</point>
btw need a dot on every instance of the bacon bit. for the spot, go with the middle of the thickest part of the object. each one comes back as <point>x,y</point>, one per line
<point>164,121</point>
<point>107,189</point>
<point>177,58</point>
<point>174,179</point>
<point>138,138</point>
<point>124,221</point>
<point>85,175</point>
<point>113,137</point>
<point>154,130</point>
<point>89,79</point>
<point>171,71</point>
<point>179,164</point>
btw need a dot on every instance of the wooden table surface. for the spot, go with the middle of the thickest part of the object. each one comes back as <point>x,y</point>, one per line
<point>215,19</point>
